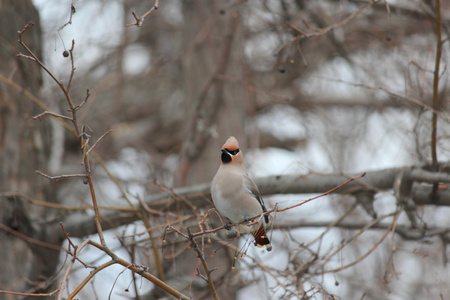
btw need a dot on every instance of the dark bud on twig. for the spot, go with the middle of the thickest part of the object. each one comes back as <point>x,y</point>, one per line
<point>66,53</point>
<point>85,180</point>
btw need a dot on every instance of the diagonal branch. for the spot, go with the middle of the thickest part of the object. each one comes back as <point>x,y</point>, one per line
<point>136,269</point>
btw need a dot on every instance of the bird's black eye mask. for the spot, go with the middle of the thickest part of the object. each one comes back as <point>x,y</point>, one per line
<point>226,155</point>
<point>234,152</point>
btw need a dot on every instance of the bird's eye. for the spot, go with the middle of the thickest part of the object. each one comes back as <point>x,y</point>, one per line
<point>234,152</point>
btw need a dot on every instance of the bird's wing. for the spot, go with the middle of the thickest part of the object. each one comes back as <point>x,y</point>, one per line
<point>255,193</point>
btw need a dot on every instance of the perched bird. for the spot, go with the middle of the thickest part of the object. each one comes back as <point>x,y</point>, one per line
<point>236,196</point>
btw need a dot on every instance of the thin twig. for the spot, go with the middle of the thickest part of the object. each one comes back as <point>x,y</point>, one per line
<point>81,138</point>
<point>359,259</point>
<point>39,116</point>
<point>67,207</point>
<point>322,31</point>
<point>60,176</point>
<point>174,195</point>
<point>170,227</point>
<point>97,141</point>
<point>204,264</point>
<point>72,12</point>
<point>319,196</point>
<point>51,294</point>
<point>35,100</point>
<point>34,58</point>
<point>143,272</point>
<point>276,209</point>
<point>72,72</point>
<point>143,216</point>
<point>406,97</point>
<point>84,101</point>
<point>89,277</point>
<point>140,21</point>
<point>29,239</point>
<point>68,238</point>
<point>76,250</point>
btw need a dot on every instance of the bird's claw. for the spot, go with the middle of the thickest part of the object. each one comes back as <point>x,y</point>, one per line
<point>227,226</point>
<point>248,222</point>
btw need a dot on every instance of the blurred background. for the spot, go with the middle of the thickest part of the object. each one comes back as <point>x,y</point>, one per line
<point>334,87</point>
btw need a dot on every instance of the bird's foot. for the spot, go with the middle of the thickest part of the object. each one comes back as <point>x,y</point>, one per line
<point>227,226</point>
<point>249,223</point>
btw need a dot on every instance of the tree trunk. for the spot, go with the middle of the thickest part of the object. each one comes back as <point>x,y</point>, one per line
<point>22,264</point>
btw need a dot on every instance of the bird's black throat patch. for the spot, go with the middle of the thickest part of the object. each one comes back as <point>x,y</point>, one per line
<point>226,157</point>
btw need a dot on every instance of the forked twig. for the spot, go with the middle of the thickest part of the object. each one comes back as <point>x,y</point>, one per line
<point>39,116</point>
<point>140,21</point>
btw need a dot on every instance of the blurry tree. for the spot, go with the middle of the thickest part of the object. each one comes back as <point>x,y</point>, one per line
<point>24,147</point>
<point>364,83</point>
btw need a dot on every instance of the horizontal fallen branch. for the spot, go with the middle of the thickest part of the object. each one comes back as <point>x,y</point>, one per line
<point>81,224</point>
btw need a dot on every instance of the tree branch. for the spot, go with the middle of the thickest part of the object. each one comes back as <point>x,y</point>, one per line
<point>79,224</point>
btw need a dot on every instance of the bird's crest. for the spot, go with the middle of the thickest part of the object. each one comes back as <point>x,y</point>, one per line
<point>231,144</point>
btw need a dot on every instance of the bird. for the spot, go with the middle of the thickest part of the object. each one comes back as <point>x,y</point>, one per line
<point>236,196</point>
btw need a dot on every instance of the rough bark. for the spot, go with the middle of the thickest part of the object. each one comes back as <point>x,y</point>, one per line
<point>23,149</point>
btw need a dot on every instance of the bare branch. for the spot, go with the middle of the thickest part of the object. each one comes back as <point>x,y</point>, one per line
<point>359,259</point>
<point>89,277</point>
<point>98,141</point>
<point>84,101</point>
<point>72,12</point>
<point>61,176</point>
<point>204,264</point>
<point>319,196</point>
<point>39,116</point>
<point>406,232</point>
<point>144,273</point>
<point>322,31</point>
<point>81,138</point>
<point>35,59</point>
<point>198,195</point>
<point>140,21</point>
<point>51,294</point>
<point>29,239</point>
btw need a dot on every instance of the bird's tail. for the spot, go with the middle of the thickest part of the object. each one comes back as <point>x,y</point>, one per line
<point>261,239</point>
